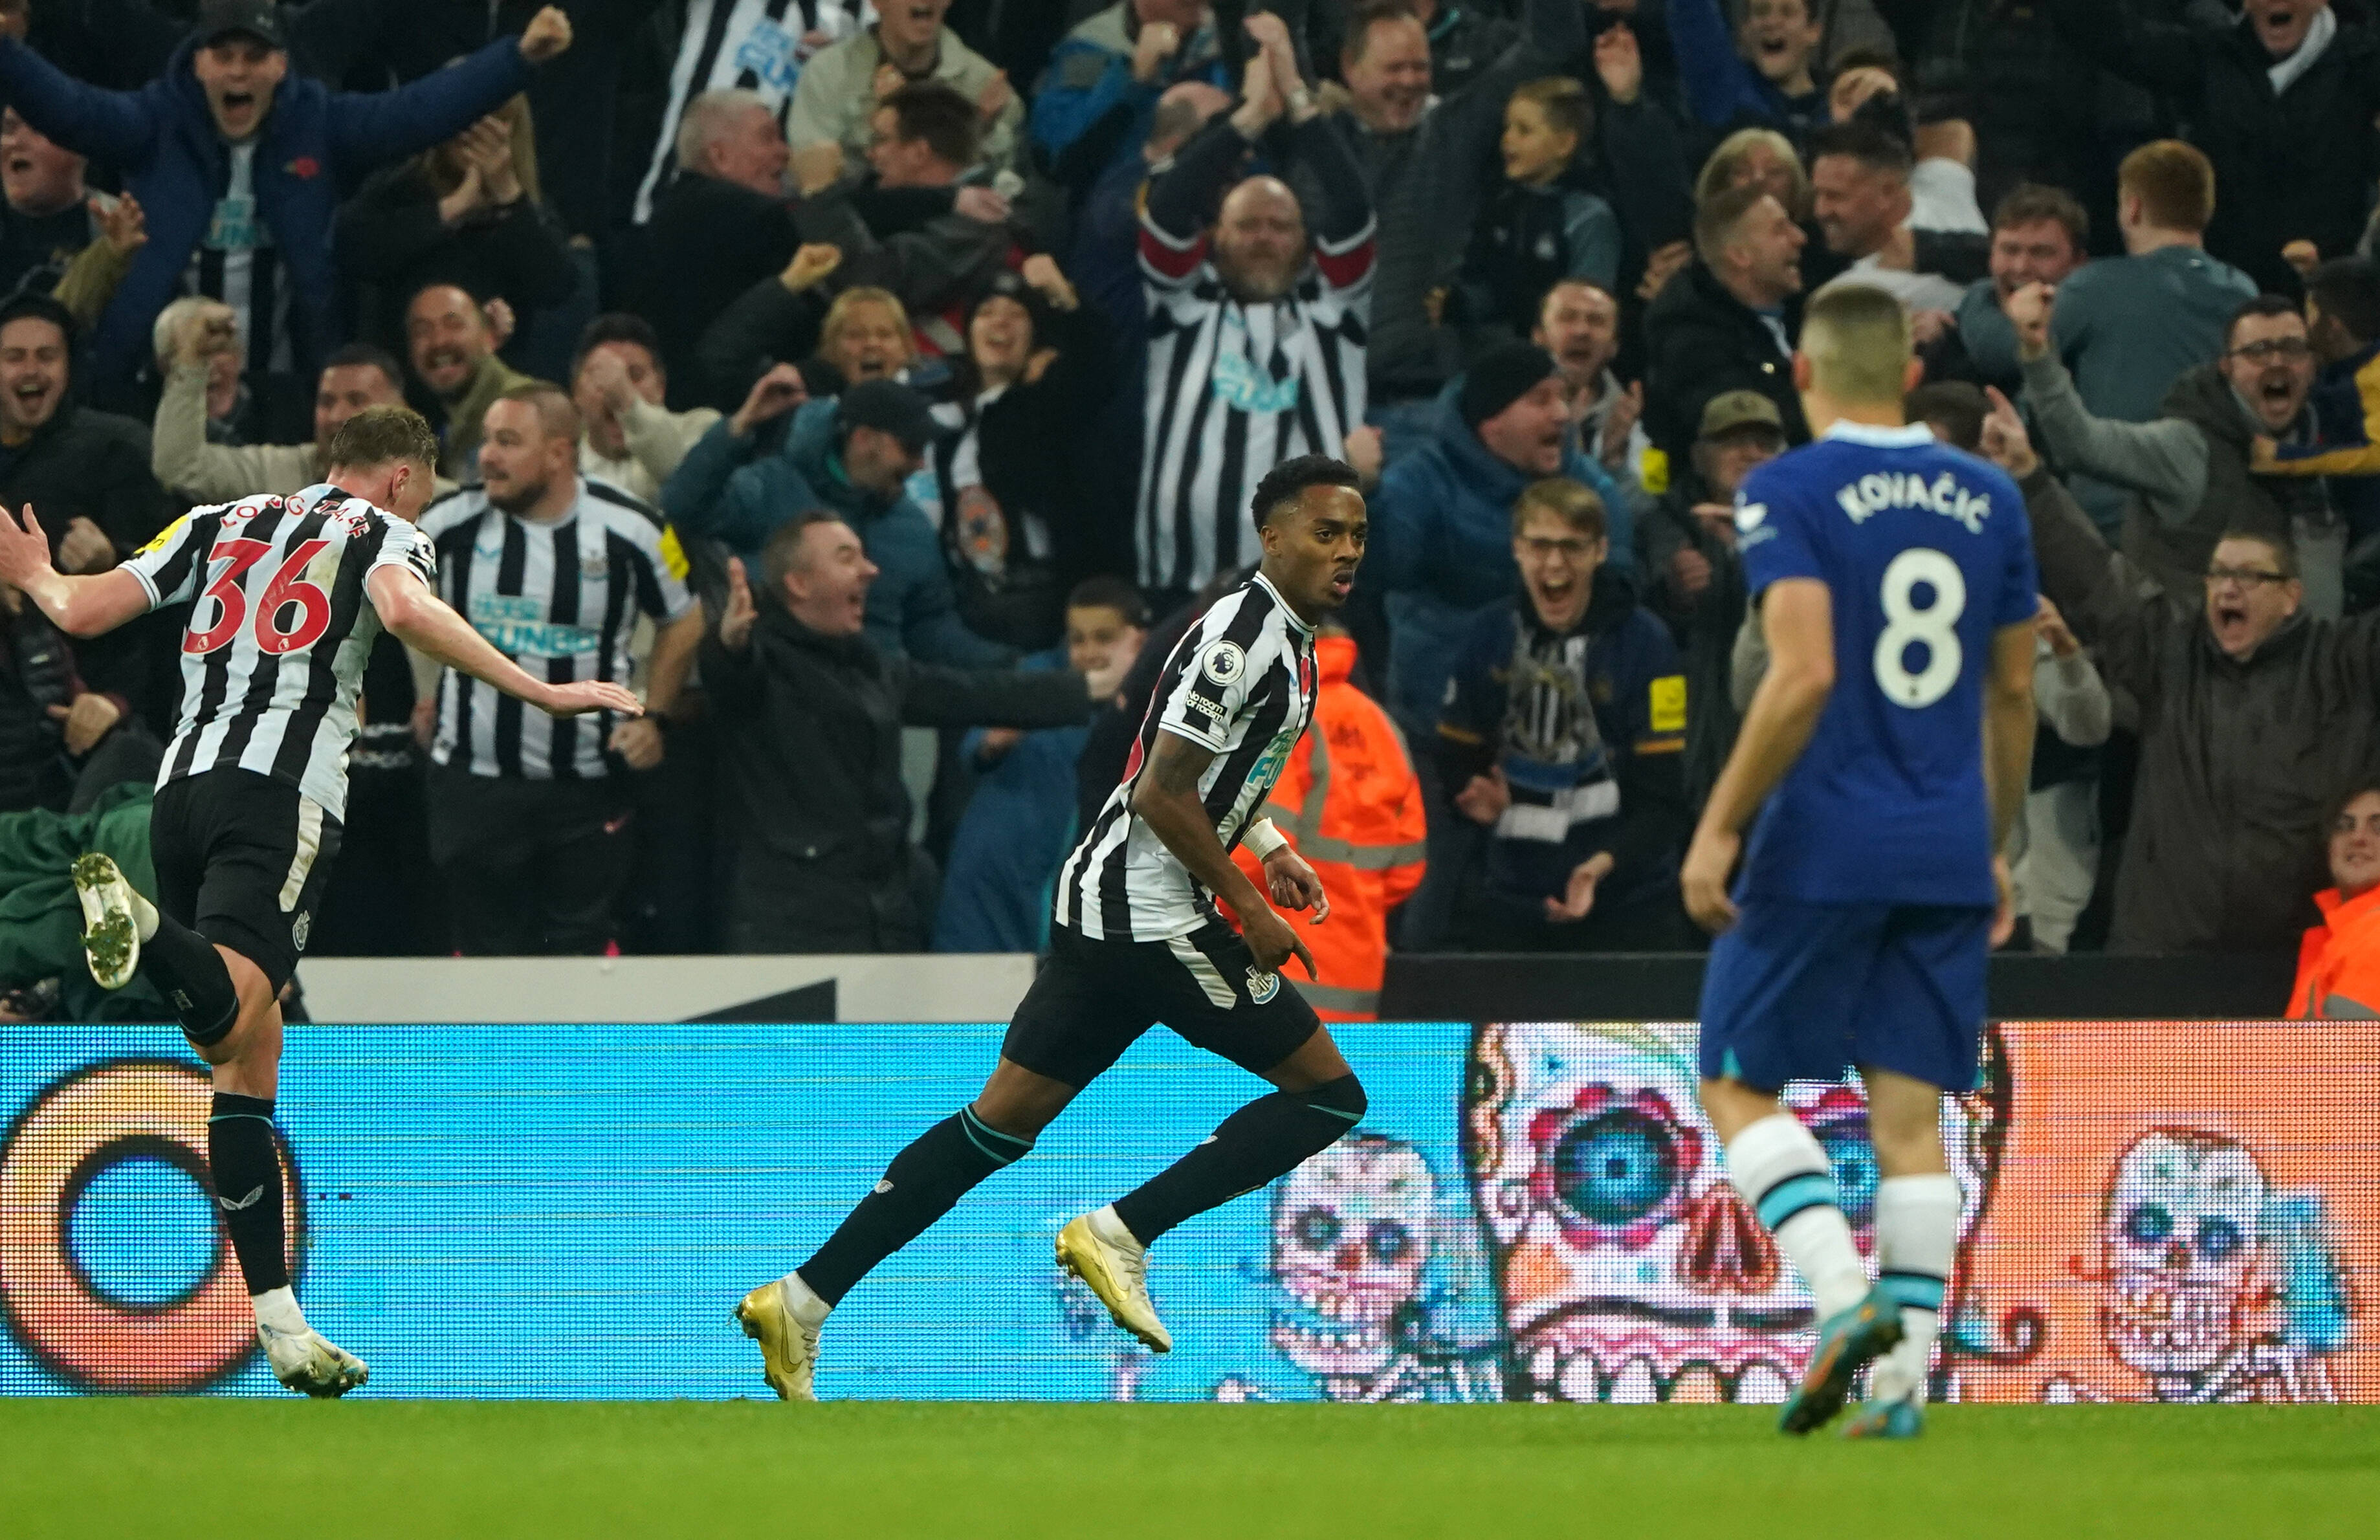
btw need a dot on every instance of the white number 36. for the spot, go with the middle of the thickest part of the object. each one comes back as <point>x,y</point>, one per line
<point>1934,626</point>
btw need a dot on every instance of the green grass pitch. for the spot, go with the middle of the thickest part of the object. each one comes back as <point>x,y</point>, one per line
<point>191,1469</point>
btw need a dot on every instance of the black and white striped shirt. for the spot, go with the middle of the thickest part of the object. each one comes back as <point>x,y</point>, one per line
<point>236,263</point>
<point>752,45</point>
<point>561,600</point>
<point>1236,389</point>
<point>274,656</point>
<point>1241,683</point>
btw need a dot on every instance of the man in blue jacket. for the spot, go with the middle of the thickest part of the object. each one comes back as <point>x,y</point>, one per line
<point>853,454</point>
<point>1442,551</point>
<point>239,166</point>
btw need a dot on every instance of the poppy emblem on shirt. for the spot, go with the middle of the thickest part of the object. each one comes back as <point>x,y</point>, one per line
<point>305,168</point>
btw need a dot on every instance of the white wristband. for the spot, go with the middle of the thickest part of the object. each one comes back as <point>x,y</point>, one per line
<point>1263,839</point>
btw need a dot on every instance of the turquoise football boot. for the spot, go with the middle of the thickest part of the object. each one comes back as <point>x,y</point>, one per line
<point>1848,1341</point>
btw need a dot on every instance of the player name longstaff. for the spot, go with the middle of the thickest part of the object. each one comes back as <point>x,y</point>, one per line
<point>1873,493</point>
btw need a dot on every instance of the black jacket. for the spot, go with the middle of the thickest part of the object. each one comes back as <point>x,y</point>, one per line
<point>391,240</point>
<point>85,464</point>
<point>2239,762</point>
<point>2296,166</point>
<point>1032,460</point>
<point>1703,625</point>
<point>1700,342</point>
<point>817,840</point>
<point>710,241</point>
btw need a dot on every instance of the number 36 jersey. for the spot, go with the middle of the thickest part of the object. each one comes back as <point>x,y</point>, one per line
<point>273,658</point>
<point>1925,553</point>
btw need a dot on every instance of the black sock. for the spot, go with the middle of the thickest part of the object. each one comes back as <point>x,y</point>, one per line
<point>1268,1137</point>
<point>192,974</point>
<point>247,1169</point>
<point>937,1170</point>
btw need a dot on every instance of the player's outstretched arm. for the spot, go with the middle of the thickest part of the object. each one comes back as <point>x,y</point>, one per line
<point>1167,800</point>
<point>1797,617</point>
<point>422,621</point>
<point>78,606</point>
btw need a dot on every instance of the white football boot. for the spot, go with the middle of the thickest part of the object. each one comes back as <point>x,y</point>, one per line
<point>1097,1249</point>
<point>309,1362</point>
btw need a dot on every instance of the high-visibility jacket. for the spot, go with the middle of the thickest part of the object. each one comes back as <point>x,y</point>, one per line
<point>1349,802</point>
<point>2338,962</point>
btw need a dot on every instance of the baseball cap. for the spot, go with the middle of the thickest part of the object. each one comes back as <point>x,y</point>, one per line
<point>889,407</point>
<point>256,19</point>
<point>1734,410</point>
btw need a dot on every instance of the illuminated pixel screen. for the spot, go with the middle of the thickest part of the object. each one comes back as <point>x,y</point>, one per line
<point>2184,1212</point>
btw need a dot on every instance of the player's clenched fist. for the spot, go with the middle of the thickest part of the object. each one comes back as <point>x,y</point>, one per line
<point>1295,885</point>
<point>548,33</point>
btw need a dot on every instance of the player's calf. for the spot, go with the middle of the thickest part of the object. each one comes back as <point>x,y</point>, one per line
<point>937,1169</point>
<point>1267,1138</point>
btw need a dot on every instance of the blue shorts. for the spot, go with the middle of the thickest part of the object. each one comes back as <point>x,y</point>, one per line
<point>1805,991</point>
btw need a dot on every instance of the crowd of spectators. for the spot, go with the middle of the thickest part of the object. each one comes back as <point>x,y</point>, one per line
<point>882,390</point>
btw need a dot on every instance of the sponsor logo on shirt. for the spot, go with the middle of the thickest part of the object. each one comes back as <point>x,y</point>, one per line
<point>1239,384</point>
<point>768,52</point>
<point>517,626</point>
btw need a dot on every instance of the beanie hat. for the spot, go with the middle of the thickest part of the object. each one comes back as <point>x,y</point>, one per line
<point>1501,378</point>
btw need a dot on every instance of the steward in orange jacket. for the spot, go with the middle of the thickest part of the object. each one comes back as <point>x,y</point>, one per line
<point>2338,962</point>
<point>1350,804</point>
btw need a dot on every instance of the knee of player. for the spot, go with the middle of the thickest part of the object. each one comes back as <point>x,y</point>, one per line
<point>1343,1096</point>
<point>1906,1144</point>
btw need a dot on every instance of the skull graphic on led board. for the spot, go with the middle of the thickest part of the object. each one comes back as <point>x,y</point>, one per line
<point>2178,1240</point>
<point>1351,1242</point>
<point>1629,1268</point>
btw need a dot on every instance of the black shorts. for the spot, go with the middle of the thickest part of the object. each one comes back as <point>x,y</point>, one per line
<point>1093,999</point>
<point>243,859</point>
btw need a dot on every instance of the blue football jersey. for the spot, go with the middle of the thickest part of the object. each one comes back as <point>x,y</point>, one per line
<point>1925,553</point>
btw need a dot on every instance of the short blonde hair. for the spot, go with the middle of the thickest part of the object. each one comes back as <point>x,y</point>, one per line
<point>1856,337</point>
<point>1571,501</point>
<point>838,315</point>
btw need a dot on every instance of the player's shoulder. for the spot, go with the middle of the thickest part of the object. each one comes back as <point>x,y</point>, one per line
<point>1239,634</point>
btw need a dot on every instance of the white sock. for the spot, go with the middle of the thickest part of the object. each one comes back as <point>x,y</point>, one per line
<point>1916,1238</point>
<point>144,915</point>
<point>1782,1171</point>
<point>278,1309</point>
<point>1113,1230</point>
<point>807,1307</point>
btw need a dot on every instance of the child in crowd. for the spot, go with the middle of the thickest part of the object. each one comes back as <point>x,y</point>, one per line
<point>1539,228</point>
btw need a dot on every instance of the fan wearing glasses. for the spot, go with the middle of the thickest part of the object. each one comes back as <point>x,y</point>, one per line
<point>2192,473</point>
<point>2343,327</point>
<point>2254,718</point>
